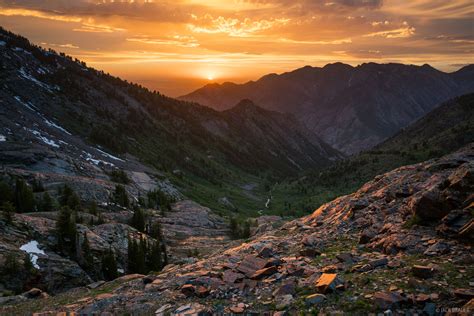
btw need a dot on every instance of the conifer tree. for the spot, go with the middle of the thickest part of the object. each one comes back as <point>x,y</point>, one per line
<point>141,257</point>
<point>138,219</point>
<point>7,209</point>
<point>24,199</point>
<point>120,196</point>
<point>6,193</point>
<point>155,257</point>
<point>47,203</point>
<point>86,253</point>
<point>93,208</point>
<point>27,264</point>
<point>132,255</point>
<point>109,266</point>
<point>66,230</point>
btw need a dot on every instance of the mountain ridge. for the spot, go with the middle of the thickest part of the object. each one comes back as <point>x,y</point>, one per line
<point>350,108</point>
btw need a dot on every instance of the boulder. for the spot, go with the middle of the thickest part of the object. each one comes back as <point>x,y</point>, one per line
<point>314,299</point>
<point>388,300</point>
<point>326,282</point>
<point>423,272</point>
<point>188,290</point>
<point>464,293</point>
<point>429,205</point>
<point>230,276</point>
<point>285,289</point>
<point>264,272</point>
<point>250,264</point>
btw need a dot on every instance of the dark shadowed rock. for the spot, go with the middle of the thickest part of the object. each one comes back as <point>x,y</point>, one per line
<point>423,272</point>
<point>388,300</point>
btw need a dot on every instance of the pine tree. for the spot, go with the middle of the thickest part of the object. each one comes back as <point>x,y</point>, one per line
<point>120,196</point>
<point>141,257</point>
<point>24,199</point>
<point>164,253</point>
<point>7,209</point>
<point>47,204</point>
<point>67,197</point>
<point>138,219</point>
<point>27,264</point>
<point>234,227</point>
<point>155,257</point>
<point>10,266</point>
<point>6,193</point>
<point>156,231</point>
<point>66,230</point>
<point>132,255</point>
<point>86,253</point>
<point>93,208</point>
<point>109,266</point>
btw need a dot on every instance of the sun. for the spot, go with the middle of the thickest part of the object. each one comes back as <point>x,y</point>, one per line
<point>210,77</point>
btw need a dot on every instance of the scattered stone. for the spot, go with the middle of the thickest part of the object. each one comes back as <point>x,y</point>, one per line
<point>464,293</point>
<point>266,252</point>
<point>95,285</point>
<point>345,257</point>
<point>250,264</point>
<point>378,262</point>
<point>284,301</point>
<point>309,252</point>
<point>230,276</point>
<point>160,311</point>
<point>314,299</point>
<point>437,249</point>
<point>237,309</point>
<point>188,290</point>
<point>33,293</point>
<point>264,272</point>
<point>326,282</point>
<point>423,272</point>
<point>287,288</point>
<point>389,300</point>
<point>202,291</point>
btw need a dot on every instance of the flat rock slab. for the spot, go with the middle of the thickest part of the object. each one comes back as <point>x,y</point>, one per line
<point>251,264</point>
<point>326,282</point>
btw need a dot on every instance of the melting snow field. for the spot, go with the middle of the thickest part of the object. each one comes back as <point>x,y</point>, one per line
<point>27,76</point>
<point>3,138</point>
<point>32,249</point>
<point>96,162</point>
<point>109,155</point>
<point>52,124</point>
<point>44,139</point>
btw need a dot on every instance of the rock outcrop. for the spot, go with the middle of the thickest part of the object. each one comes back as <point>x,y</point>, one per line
<point>373,252</point>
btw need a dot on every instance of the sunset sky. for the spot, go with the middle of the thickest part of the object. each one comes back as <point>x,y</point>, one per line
<point>177,46</point>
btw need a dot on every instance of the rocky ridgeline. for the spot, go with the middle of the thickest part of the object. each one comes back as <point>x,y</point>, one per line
<point>401,243</point>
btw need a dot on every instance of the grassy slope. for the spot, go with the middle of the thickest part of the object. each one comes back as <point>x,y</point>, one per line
<point>444,130</point>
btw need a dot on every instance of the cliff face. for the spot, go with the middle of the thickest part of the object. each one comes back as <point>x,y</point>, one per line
<point>401,242</point>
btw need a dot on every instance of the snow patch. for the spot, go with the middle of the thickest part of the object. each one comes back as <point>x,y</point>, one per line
<point>52,124</point>
<point>3,138</point>
<point>34,80</point>
<point>120,271</point>
<point>88,157</point>
<point>44,139</point>
<point>32,249</point>
<point>28,105</point>
<point>109,155</point>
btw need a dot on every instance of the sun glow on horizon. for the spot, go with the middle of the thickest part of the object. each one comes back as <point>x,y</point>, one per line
<point>175,47</point>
